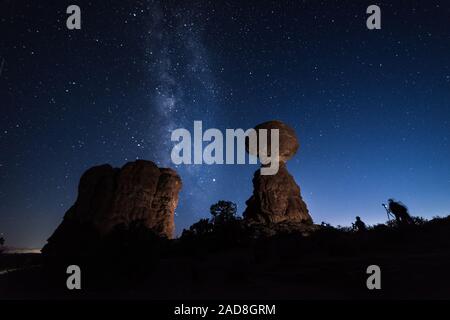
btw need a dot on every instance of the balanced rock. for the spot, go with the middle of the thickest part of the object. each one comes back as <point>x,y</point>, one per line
<point>108,197</point>
<point>277,198</point>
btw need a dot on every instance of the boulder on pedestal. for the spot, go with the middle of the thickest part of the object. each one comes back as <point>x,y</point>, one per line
<point>277,198</point>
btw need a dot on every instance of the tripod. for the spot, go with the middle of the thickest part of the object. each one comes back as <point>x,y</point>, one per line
<point>388,212</point>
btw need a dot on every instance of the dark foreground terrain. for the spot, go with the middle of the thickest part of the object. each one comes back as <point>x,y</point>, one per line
<point>232,263</point>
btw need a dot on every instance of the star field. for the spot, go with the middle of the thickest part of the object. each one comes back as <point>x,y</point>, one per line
<point>371,108</point>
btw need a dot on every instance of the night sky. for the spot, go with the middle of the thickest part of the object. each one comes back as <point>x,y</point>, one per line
<point>371,108</point>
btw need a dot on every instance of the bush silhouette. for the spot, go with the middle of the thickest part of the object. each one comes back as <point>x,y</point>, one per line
<point>223,231</point>
<point>200,228</point>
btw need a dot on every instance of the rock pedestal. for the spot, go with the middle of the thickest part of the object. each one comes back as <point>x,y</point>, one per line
<point>276,199</point>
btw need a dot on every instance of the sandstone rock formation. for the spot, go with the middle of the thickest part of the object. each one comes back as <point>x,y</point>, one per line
<point>108,197</point>
<point>276,198</point>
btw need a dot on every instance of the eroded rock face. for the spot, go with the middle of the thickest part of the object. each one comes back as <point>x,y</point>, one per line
<point>276,199</point>
<point>146,193</point>
<point>108,197</point>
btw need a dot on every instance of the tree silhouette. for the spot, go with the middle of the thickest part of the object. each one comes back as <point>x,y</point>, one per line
<point>223,229</point>
<point>223,212</point>
<point>201,227</point>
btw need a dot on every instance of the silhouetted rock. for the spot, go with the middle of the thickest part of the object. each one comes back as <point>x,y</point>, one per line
<point>109,197</point>
<point>276,198</point>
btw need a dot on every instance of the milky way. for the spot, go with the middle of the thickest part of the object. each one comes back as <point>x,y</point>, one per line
<point>178,67</point>
<point>181,90</point>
